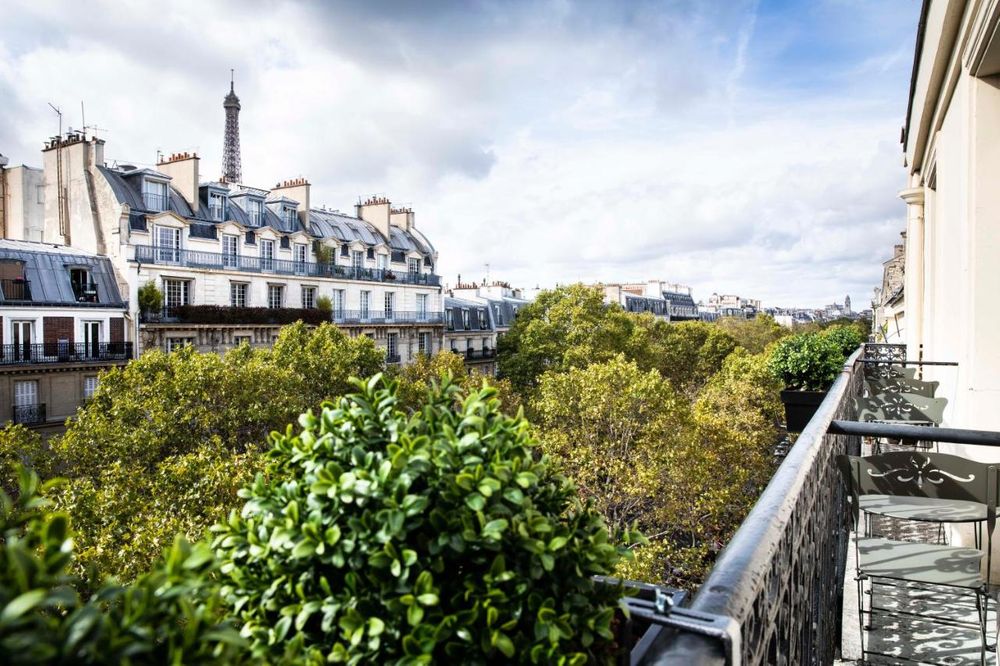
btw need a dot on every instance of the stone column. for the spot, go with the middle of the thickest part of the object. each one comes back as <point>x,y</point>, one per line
<point>913,278</point>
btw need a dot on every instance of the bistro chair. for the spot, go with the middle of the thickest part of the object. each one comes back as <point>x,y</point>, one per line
<point>956,483</point>
<point>882,370</point>
<point>893,385</point>
<point>905,408</point>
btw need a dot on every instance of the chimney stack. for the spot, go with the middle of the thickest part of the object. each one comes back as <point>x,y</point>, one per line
<point>183,171</point>
<point>377,211</point>
<point>296,189</point>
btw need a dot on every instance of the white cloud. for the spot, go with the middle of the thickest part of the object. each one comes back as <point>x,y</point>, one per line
<point>552,140</point>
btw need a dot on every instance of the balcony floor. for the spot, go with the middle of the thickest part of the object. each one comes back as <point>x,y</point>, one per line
<point>907,639</point>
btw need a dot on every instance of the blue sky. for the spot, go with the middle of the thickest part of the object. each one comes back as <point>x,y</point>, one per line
<point>733,146</point>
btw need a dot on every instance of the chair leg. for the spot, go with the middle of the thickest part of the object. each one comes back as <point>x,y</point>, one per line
<point>861,616</point>
<point>981,611</point>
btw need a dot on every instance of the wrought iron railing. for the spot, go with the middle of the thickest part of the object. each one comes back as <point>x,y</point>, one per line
<point>476,354</point>
<point>64,352</point>
<point>15,289</point>
<point>775,594</point>
<point>216,260</point>
<point>155,202</point>
<point>28,414</point>
<point>85,292</point>
<point>392,358</point>
<point>224,314</point>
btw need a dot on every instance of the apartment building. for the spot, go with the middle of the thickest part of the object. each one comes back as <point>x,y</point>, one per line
<point>637,297</point>
<point>62,321</point>
<point>469,331</point>
<point>502,300</point>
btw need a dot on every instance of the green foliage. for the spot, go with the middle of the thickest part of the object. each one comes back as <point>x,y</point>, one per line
<point>807,361</point>
<point>169,616</point>
<point>150,298</point>
<point>225,314</point>
<point>415,379</point>
<point>324,253</point>
<point>166,441</point>
<point>435,538</point>
<point>21,447</point>
<point>687,353</point>
<point>754,335</point>
<point>847,337</point>
<point>324,304</point>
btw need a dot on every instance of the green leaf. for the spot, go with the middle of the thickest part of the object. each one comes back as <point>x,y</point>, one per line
<point>21,604</point>
<point>475,501</point>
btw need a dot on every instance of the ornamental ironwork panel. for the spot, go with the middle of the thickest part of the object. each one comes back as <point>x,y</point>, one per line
<point>781,576</point>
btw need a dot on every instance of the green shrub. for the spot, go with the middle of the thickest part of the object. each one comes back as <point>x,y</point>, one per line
<point>847,337</point>
<point>807,362</point>
<point>325,304</point>
<point>442,537</point>
<point>170,615</point>
<point>21,446</point>
<point>224,314</point>
<point>150,298</point>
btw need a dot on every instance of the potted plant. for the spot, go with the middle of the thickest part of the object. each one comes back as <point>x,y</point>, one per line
<point>150,300</point>
<point>389,275</point>
<point>807,364</point>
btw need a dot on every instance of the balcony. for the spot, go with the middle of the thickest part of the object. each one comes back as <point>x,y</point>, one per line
<point>393,359</point>
<point>15,289</point>
<point>783,590</point>
<point>479,354</point>
<point>64,352</point>
<point>224,314</point>
<point>28,414</point>
<point>168,256</point>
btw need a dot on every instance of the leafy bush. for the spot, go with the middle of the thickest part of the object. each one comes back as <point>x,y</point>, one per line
<point>847,337</point>
<point>169,616</point>
<point>416,378</point>
<point>21,447</point>
<point>224,314</point>
<point>755,334</point>
<point>150,298</point>
<point>325,304</point>
<point>807,362</point>
<point>436,538</point>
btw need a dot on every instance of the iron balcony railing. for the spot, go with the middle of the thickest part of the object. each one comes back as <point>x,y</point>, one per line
<point>28,414</point>
<point>775,594</point>
<point>392,358</point>
<point>477,354</point>
<point>216,260</point>
<point>382,317</point>
<point>223,314</point>
<point>85,292</point>
<point>15,289</point>
<point>64,352</point>
<point>155,202</point>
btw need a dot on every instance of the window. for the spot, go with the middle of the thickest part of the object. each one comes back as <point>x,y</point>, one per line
<point>229,250</point>
<point>84,288</point>
<point>357,259</point>
<point>308,297</point>
<point>392,346</point>
<point>465,319</point>
<point>22,333</point>
<point>338,303</point>
<point>238,294</point>
<point>371,253</point>
<point>90,386</point>
<point>300,258</point>
<point>381,261</point>
<point>390,302</point>
<point>92,339</point>
<point>26,408</point>
<point>173,344</point>
<point>451,319</point>
<point>499,316</point>
<point>176,292</point>
<point>482,319</point>
<point>255,211</point>
<point>154,195</point>
<point>345,251</point>
<point>422,307</point>
<point>414,267</point>
<point>267,255</point>
<point>291,218</point>
<point>424,343</point>
<point>168,242</point>
<point>275,295</point>
<point>217,205</point>
<point>241,340</point>
<point>366,297</point>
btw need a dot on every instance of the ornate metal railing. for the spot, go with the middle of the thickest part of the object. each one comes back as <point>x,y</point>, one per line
<point>64,352</point>
<point>224,314</point>
<point>28,414</point>
<point>775,594</point>
<point>15,289</point>
<point>216,260</point>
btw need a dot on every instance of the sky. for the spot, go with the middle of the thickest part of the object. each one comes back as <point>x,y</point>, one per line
<point>737,147</point>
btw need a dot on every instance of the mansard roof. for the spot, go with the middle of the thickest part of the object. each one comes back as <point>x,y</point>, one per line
<point>46,268</point>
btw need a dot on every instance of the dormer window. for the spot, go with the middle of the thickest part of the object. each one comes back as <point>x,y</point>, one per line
<point>290,216</point>
<point>84,287</point>
<point>255,211</point>
<point>154,195</point>
<point>217,205</point>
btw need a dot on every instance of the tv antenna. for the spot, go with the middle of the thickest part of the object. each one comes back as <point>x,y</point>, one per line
<point>83,121</point>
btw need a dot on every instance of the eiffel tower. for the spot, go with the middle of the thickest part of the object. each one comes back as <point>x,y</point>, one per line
<point>232,169</point>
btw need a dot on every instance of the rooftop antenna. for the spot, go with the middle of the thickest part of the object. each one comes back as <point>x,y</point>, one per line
<point>83,120</point>
<point>60,191</point>
<point>487,273</point>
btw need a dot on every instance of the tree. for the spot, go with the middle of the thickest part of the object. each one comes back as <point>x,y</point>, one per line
<point>563,328</point>
<point>755,334</point>
<point>686,353</point>
<point>150,298</point>
<point>417,379</point>
<point>21,447</point>
<point>433,537</point>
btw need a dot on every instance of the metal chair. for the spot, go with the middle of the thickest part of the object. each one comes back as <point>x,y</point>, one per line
<point>949,480</point>
<point>901,407</point>
<point>880,370</point>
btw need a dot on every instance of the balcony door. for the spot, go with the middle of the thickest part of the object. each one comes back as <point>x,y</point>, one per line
<point>22,337</point>
<point>26,401</point>
<point>168,244</point>
<point>92,339</point>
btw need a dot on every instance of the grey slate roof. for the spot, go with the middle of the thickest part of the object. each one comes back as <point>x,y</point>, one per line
<point>457,305</point>
<point>46,267</point>
<point>322,223</point>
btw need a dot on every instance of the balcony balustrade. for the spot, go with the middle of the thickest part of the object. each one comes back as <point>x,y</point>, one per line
<point>64,352</point>
<point>224,314</point>
<point>479,354</point>
<point>169,256</point>
<point>28,414</point>
<point>393,358</point>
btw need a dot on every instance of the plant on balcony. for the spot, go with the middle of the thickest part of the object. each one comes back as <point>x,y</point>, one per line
<point>389,275</point>
<point>807,364</point>
<point>324,304</point>
<point>150,298</point>
<point>224,314</point>
<point>441,537</point>
<point>847,337</point>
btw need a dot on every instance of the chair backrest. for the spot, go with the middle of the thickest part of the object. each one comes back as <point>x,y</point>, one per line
<point>921,474</point>
<point>876,370</point>
<point>901,407</point>
<point>885,385</point>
